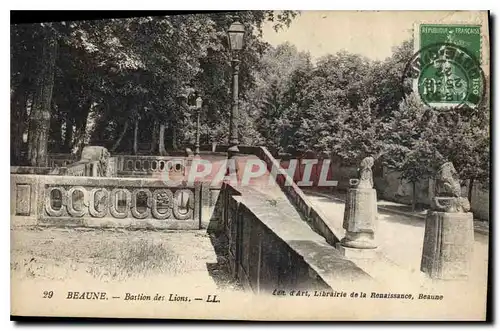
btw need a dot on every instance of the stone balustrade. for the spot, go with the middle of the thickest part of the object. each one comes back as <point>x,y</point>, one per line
<point>60,159</point>
<point>120,165</point>
<point>27,170</point>
<point>89,169</point>
<point>79,169</point>
<point>143,165</point>
<point>105,202</point>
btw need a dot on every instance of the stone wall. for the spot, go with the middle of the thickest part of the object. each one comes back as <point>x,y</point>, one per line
<point>105,202</point>
<point>391,187</point>
<point>264,256</point>
<point>312,215</point>
<point>209,198</point>
<point>342,174</point>
<point>25,199</point>
<point>480,203</point>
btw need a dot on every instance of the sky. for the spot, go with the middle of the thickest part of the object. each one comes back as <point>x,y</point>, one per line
<point>372,34</point>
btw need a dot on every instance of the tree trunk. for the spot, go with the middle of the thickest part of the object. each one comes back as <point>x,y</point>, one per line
<point>469,191</point>
<point>171,136</point>
<point>81,126</point>
<point>161,140</point>
<point>18,123</point>
<point>97,136</point>
<point>117,143</point>
<point>68,135</point>
<point>414,196</point>
<point>40,114</point>
<point>154,138</point>
<point>174,136</point>
<point>136,128</point>
<point>55,133</point>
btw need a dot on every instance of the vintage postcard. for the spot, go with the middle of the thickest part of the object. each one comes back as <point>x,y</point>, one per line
<point>251,165</point>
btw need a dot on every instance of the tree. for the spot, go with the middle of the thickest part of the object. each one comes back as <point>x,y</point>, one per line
<point>40,112</point>
<point>383,81</point>
<point>214,78</point>
<point>359,135</point>
<point>464,137</point>
<point>265,100</point>
<point>108,74</point>
<point>25,51</point>
<point>410,142</point>
<point>320,104</point>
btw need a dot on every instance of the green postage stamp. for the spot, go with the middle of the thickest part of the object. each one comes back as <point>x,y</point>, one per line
<point>446,68</point>
<point>465,36</point>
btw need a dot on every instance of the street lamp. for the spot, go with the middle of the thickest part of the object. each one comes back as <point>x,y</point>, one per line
<point>199,103</point>
<point>235,34</point>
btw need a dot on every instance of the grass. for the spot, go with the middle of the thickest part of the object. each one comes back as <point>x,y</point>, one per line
<point>132,259</point>
<point>118,255</point>
<point>104,255</point>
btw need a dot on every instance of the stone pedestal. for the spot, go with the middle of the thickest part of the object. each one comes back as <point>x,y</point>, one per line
<point>360,218</point>
<point>357,253</point>
<point>94,170</point>
<point>448,245</point>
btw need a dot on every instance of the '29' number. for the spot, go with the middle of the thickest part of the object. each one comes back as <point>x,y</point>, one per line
<point>48,294</point>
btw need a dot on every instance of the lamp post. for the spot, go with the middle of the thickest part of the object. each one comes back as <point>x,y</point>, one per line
<point>199,102</point>
<point>235,33</point>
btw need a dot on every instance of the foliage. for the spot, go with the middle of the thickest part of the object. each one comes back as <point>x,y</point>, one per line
<point>409,145</point>
<point>383,82</point>
<point>350,107</point>
<point>111,73</point>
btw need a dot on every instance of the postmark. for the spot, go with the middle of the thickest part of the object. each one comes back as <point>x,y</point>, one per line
<point>445,75</point>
